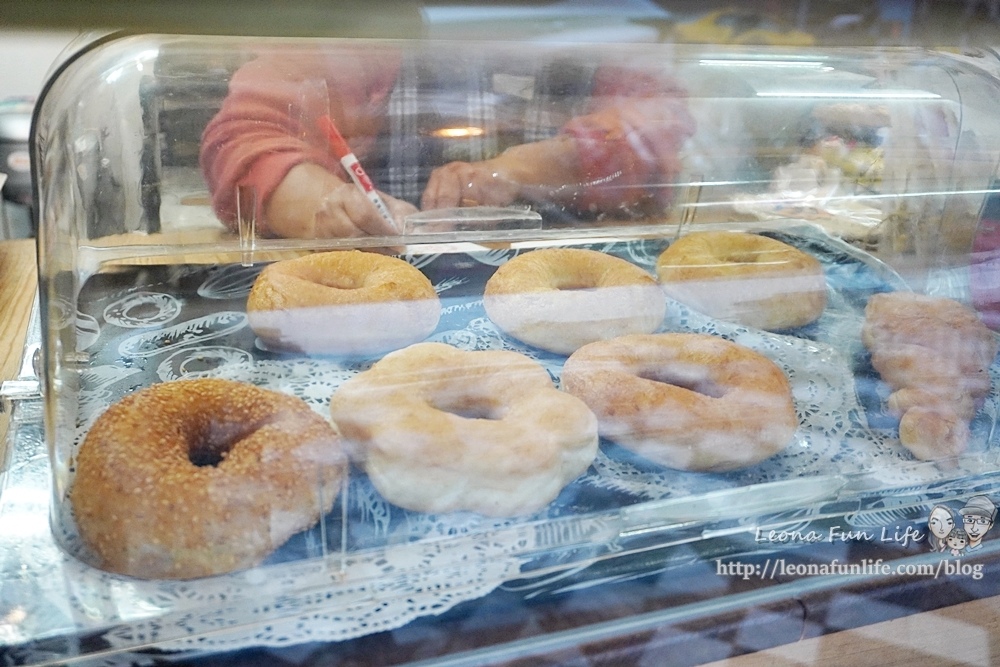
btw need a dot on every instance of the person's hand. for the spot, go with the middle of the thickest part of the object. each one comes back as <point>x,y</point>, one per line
<point>310,202</point>
<point>628,152</point>
<point>469,184</point>
<point>345,212</point>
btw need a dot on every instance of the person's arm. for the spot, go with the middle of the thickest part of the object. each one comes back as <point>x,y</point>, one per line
<point>623,155</point>
<point>264,138</point>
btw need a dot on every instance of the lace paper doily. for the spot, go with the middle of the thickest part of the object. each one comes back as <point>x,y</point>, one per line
<point>274,605</point>
<point>401,564</point>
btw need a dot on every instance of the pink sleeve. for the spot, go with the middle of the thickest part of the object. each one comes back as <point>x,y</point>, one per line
<point>263,130</point>
<point>629,142</point>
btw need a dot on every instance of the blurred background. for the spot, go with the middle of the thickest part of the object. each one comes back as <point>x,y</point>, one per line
<point>35,33</point>
<point>931,23</point>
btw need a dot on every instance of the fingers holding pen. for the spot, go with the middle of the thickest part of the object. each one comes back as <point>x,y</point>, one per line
<point>345,211</point>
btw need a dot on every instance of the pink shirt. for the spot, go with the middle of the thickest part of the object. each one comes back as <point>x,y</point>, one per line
<point>631,132</point>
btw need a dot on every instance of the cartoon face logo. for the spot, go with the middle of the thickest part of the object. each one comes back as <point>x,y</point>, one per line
<point>978,517</point>
<point>956,541</point>
<point>940,522</point>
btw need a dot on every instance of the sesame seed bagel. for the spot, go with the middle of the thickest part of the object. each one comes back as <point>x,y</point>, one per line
<point>199,477</point>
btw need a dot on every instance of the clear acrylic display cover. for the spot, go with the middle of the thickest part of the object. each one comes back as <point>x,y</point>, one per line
<point>157,184</point>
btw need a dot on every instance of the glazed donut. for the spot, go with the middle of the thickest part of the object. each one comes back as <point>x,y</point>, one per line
<point>200,477</point>
<point>561,298</point>
<point>744,278</point>
<point>440,429</point>
<point>342,303</point>
<point>686,401</point>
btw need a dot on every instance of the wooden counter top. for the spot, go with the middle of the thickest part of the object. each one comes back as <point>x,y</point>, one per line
<point>18,285</point>
<point>964,634</point>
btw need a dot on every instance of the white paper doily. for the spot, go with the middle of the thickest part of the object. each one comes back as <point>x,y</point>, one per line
<point>402,565</point>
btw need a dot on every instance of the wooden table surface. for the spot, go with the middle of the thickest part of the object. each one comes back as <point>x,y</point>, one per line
<point>963,634</point>
<point>18,283</point>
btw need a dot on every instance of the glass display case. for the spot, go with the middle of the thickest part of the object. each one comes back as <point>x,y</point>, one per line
<point>336,334</point>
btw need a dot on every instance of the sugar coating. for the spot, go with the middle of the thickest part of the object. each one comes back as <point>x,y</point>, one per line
<point>270,468</point>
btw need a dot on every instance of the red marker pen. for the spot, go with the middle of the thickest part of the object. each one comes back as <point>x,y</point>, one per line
<point>353,167</point>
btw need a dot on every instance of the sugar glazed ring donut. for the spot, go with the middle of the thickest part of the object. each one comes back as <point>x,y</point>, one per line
<point>440,429</point>
<point>342,303</point>
<point>686,401</point>
<point>744,278</point>
<point>199,477</point>
<point>561,298</point>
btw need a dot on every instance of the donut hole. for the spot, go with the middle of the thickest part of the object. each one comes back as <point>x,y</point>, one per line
<point>343,280</point>
<point>210,445</point>
<point>575,279</point>
<point>691,379</point>
<point>743,257</point>
<point>577,285</point>
<point>467,406</point>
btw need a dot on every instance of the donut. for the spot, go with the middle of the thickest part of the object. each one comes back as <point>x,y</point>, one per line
<point>935,355</point>
<point>344,302</point>
<point>440,429</point>
<point>194,478</point>
<point>685,401</point>
<point>558,299</point>
<point>744,278</point>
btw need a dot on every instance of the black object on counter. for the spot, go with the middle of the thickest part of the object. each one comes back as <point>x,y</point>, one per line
<point>15,129</point>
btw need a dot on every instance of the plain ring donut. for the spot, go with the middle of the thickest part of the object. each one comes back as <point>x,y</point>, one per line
<point>559,299</point>
<point>194,478</point>
<point>744,278</point>
<point>686,401</point>
<point>344,302</point>
<point>439,429</point>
